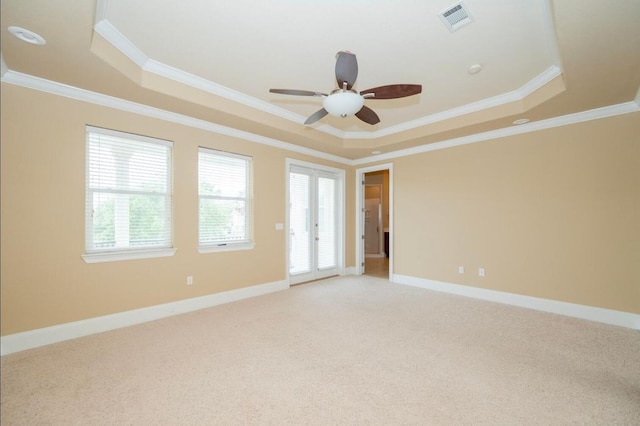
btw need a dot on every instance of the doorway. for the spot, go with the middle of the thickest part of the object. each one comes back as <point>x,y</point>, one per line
<point>373,221</point>
<point>315,217</point>
<point>374,201</point>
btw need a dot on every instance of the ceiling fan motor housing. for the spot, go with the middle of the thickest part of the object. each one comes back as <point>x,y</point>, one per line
<point>342,103</point>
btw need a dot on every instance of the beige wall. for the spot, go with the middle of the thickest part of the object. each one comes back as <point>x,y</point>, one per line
<point>553,214</point>
<point>44,280</point>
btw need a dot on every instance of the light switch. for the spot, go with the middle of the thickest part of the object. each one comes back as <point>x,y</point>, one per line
<point>279,226</point>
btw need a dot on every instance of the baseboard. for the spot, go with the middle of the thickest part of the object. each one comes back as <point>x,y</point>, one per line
<point>350,270</point>
<point>591,313</point>
<point>58,333</point>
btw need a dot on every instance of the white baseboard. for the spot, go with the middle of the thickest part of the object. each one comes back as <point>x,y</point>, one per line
<point>58,333</point>
<point>350,270</point>
<point>591,313</point>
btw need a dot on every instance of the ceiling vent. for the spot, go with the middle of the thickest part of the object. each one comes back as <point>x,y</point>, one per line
<point>456,16</point>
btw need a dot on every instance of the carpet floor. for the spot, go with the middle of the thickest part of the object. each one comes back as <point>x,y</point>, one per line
<point>343,351</point>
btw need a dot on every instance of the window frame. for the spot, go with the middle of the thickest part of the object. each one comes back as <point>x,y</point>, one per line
<point>229,245</point>
<point>93,255</point>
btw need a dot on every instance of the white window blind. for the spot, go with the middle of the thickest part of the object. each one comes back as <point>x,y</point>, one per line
<point>129,191</point>
<point>224,188</point>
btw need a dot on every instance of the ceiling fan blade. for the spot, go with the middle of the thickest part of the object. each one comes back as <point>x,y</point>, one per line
<point>296,92</point>
<point>346,69</point>
<point>316,116</point>
<point>367,115</point>
<point>393,91</point>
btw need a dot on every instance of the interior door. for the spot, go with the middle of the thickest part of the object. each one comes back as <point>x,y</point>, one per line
<point>314,226</point>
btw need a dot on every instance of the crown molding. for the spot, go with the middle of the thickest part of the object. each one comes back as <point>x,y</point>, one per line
<point>54,88</point>
<point>3,66</point>
<point>122,43</point>
<point>112,35</point>
<point>516,95</point>
<point>565,120</point>
<point>40,84</point>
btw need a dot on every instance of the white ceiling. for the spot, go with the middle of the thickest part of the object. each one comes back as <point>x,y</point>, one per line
<point>250,46</point>
<point>216,61</point>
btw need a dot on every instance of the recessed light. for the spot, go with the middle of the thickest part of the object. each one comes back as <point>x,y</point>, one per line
<point>375,152</point>
<point>475,69</point>
<point>521,121</point>
<point>26,35</point>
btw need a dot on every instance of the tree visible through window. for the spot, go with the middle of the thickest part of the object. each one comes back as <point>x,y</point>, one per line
<point>128,200</point>
<point>224,188</point>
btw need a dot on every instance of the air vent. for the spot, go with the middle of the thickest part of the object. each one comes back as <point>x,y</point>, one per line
<point>456,16</point>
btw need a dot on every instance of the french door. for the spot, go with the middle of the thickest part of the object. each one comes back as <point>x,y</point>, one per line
<point>315,223</point>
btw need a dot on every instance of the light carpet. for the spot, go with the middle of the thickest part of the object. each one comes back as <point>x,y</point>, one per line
<point>344,351</point>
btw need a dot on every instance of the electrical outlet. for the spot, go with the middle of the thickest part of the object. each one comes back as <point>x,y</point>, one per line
<point>461,269</point>
<point>481,272</point>
<point>190,280</point>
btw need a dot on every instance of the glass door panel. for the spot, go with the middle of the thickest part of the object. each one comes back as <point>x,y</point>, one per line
<point>299,224</point>
<point>314,225</point>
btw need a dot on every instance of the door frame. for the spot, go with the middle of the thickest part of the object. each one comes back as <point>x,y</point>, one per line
<point>360,254</point>
<point>340,214</point>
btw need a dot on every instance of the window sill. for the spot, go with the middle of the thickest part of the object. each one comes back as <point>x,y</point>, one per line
<point>226,247</point>
<point>127,255</point>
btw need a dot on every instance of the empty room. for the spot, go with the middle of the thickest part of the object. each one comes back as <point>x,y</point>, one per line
<point>327,213</point>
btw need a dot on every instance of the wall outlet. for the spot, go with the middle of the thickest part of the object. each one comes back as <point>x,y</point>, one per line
<point>461,269</point>
<point>481,272</point>
<point>190,280</point>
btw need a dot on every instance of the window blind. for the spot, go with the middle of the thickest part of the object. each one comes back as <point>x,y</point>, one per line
<point>129,192</point>
<point>224,188</point>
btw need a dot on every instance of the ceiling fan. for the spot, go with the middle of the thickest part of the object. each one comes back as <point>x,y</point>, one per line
<point>345,101</point>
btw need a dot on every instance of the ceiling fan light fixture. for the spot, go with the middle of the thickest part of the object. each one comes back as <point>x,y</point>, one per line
<point>343,103</point>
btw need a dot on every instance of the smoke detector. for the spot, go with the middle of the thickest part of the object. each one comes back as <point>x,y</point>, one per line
<point>456,16</point>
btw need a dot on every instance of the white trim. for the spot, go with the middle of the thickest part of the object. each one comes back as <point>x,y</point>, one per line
<point>564,120</point>
<point>127,255</point>
<point>350,270</point>
<point>130,136</point>
<point>360,255</point>
<point>54,88</point>
<point>47,86</point>
<point>58,333</point>
<point>3,66</point>
<point>226,247</point>
<point>112,35</point>
<point>591,313</point>
<point>208,86</point>
<point>550,35</point>
<point>122,43</point>
<point>494,101</point>
<point>341,218</point>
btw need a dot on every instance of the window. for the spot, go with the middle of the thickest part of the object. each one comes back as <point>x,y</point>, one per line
<point>128,199</point>
<point>224,188</point>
